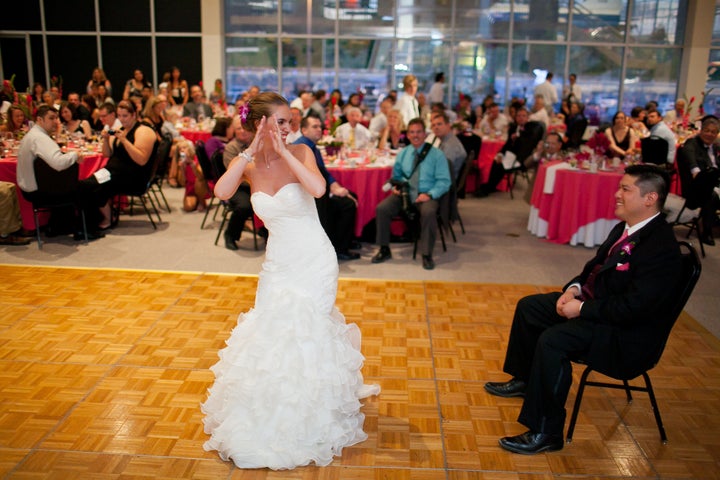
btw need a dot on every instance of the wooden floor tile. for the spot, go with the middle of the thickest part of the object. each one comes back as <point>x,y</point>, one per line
<point>102,373</point>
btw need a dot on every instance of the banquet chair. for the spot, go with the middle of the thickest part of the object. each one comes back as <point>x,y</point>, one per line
<point>688,278</point>
<point>678,214</point>
<point>461,183</point>
<point>414,226</point>
<point>654,150</point>
<point>511,174</point>
<point>218,167</point>
<point>163,154</point>
<point>144,195</point>
<point>209,174</point>
<point>59,184</point>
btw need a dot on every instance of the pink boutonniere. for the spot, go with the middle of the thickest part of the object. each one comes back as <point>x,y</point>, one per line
<point>622,267</point>
<point>627,248</point>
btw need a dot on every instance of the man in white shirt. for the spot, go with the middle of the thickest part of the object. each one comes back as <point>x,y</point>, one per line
<point>539,112</point>
<point>658,128</point>
<point>548,91</point>
<point>572,90</point>
<point>39,144</point>
<point>494,123</point>
<point>437,91</point>
<point>108,116</point>
<point>295,117</point>
<point>407,103</point>
<point>353,134</point>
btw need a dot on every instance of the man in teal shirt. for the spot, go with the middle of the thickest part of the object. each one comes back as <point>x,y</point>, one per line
<point>425,169</point>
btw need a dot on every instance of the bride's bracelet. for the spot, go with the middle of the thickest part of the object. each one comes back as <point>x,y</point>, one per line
<point>244,154</point>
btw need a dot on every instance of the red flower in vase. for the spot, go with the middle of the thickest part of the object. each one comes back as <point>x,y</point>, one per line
<point>599,143</point>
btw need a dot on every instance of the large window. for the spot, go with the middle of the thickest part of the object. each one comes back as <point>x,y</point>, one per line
<point>712,85</point>
<point>624,52</point>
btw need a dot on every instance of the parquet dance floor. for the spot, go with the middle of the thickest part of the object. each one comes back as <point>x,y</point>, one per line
<point>102,373</point>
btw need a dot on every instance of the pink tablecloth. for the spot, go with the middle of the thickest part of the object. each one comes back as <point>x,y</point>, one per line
<point>488,151</point>
<point>8,173</point>
<point>195,135</point>
<point>367,182</point>
<point>580,209</point>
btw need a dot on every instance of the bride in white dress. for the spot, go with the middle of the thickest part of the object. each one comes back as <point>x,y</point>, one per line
<point>288,383</point>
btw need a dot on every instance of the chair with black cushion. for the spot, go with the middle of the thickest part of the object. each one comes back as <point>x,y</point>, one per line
<point>688,278</point>
<point>209,174</point>
<point>144,195</point>
<point>654,150</point>
<point>218,167</point>
<point>461,183</point>
<point>414,225</point>
<point>163,154</point>
<point>678,214</point>
<point>58,189</point>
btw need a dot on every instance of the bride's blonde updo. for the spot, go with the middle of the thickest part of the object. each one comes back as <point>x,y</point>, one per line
<point>261,105</point>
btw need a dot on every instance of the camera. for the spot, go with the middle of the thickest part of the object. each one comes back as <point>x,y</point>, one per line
<point>111,132</point>
<point>408,209</point>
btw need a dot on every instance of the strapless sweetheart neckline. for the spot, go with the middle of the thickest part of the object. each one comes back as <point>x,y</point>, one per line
<point>278,191</point>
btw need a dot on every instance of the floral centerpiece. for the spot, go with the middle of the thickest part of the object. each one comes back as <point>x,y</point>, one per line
<point>599,143</point>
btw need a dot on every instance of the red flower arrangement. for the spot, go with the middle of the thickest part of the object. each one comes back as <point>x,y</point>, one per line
<point>599,143</point>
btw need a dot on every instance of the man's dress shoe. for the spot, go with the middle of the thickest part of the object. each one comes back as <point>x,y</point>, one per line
<point>428,262</point>
<point>348,256</point>
<point>513,388</point>
<point>530,443</point>
<point>382,255</point>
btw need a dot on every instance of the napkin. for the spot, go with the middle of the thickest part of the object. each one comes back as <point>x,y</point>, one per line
<point>549,186</point>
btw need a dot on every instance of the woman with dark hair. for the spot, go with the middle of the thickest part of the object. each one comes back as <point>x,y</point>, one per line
<point>71,120</point>
<point>178,88</point>
<point>288,383</point>
<point>134,86</point>
<point>131,151</point>
<point>622,138</point>
<point>37,93</point>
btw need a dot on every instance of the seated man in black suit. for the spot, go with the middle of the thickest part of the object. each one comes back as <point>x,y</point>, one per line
<point>698,162</point>
<point>337,209</point>
<point>523,137</point>
<point>609,314</point>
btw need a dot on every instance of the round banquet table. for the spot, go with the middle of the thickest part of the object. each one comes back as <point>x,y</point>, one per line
<point>579,208</point>
<point>8,173</point>
<point>195,135</point>
<point>367,183</point>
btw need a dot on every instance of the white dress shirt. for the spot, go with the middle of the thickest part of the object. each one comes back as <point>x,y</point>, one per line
<point>362,135</point>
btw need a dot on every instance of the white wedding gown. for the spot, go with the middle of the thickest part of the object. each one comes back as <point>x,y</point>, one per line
<point>287,385</point>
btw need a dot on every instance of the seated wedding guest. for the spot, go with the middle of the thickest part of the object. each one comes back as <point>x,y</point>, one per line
<point>154,114</point>
<point>307,102</point>
<point>134,86</point>
<point>355,100</point>
<point>423,106</point>
<point>659,129</point>
<point>394,135</point>
<point>98,78</point>
<point>494,123</point>
<point>71,120</point>
<point>178,88</point>
<point>88,103</point>
<point>637,122</point>
<point>546,151</point>
<point>38,143</point>
<point>465,111</point>
<point>102,95</point>
<point>353,134</point>
<point>15,121</point>
<point>425,181</point>
<point>82,111</point>
<point>379,121</point>
<point>240,201</point>
<point>622,138</point>
<point>539,113</point>
<point>198,108</point>
<point>698,163</point>
<point>320,101</point>
<point>337,209</point>
<point>676,114</point>
<point>131,151</point>
<point>608,315</point>
<point>107,114</point>
<point>11,231</point>
<point>37,93</point>
<point>441,108</point>
<point>222,133</point>
<point>523,137</point>
<point>576,125</point>
<point>295,117</point>
<point>446,140</point>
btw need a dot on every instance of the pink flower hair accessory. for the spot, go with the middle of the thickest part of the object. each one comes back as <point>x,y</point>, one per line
<point>244,112</point>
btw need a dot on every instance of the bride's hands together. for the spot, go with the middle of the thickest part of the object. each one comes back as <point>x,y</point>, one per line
<point>257,141</point>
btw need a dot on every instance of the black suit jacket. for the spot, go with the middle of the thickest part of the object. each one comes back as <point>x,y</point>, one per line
<point>694,154</point>
<point>524,144</point>
<point>633,294</point>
